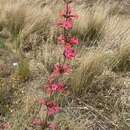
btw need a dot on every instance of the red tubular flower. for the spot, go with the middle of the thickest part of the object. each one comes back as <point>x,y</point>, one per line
<point>37,122</point>
<point>74,41</point>
<point>59,69</point>
<point>52,108</point>
<point>69,53</point>
<point>70,14</point>
<point>56,70</point>
<point>52,126</point>
<point>55,88</point>
<point>66,24</point>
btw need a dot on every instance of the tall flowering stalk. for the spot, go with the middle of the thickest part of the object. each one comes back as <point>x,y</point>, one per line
<point>48,107</point>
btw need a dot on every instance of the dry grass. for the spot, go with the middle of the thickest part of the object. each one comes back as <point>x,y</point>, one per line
<point>27,25</point>
<point>90,26</point>
<point>91,66</point>
<point>97,95</point>
<point>122,59</point>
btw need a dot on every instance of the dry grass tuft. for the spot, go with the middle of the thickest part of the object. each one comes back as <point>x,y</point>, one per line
<point>37,28</point>
<point>90,26</point>
<point>13,16</point>
<point>101,105</point>
<point>91,66</point>
<point>28,25</point>
<point>122,58</point>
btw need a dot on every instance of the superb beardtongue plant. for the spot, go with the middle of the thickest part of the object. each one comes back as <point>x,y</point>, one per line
<point>48,107</point>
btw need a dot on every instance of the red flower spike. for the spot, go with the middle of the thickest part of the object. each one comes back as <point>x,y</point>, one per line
<point>52,108</point>
<point>68,42</point>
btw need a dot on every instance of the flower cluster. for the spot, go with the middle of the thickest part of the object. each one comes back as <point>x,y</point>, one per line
<point>67,40</point>
<point>55,88</point>
<point>52,87</point>
<point>52,108</point>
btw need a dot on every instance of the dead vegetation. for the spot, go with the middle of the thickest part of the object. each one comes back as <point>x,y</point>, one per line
<point>97,96</point>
